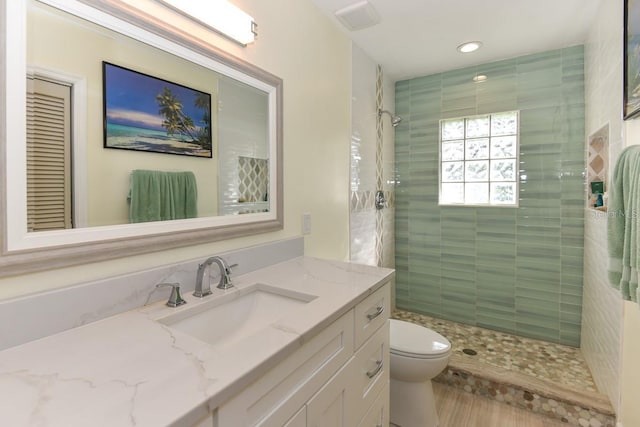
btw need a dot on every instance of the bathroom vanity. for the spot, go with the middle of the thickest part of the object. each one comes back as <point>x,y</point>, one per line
<point>296,341</point>
<point>304,342</point>
<point>338,378</point>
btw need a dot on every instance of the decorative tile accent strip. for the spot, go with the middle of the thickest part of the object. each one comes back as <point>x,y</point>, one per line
<point>362,201</point>
<point>379,144</point>
<point>598,159</point>
<point>390,197</point>
<point>379,125</point>
<point>598,155</point>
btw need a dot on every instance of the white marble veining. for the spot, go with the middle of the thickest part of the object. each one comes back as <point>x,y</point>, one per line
<point>131,370</point>
<point>51,312</point>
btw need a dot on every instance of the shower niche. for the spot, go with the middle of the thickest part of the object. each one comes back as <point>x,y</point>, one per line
<point>597,163</point>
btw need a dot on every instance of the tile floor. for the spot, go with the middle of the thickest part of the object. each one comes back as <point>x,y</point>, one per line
<point>459,409</point>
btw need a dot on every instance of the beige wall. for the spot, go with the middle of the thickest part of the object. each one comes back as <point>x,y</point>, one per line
<point>75,47</point>
<point>300,45</point>
<point>630,375</point>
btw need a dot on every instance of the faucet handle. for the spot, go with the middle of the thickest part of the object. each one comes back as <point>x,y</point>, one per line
<point>225,277</point>
<point>175,299</point>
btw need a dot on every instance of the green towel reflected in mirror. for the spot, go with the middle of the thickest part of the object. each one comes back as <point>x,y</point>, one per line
<point>162,196</point>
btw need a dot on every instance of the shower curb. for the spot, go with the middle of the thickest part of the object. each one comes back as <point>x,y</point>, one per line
<point>574,407</point>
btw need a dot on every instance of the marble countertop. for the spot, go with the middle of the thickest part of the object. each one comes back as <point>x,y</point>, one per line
<point>130,370</point>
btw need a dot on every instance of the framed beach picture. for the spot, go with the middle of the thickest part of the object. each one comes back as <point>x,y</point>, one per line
<point>631,58</point>
<point>145,113</point>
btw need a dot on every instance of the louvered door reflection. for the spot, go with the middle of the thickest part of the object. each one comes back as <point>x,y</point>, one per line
<point>48,155</point>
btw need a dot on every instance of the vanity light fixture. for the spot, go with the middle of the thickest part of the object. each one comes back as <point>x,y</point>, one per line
<point>220,16</point>
<point>479,78</point>
<point>469,47</point>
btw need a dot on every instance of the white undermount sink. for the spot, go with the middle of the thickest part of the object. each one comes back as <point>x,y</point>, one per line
<point>228,319</point>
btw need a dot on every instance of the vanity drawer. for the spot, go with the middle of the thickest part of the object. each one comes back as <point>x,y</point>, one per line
<point>372,313</point>
<point>275,397</point>
<point>371,369</point>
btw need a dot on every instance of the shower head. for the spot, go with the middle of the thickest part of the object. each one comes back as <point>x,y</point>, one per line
<point>395,120</point>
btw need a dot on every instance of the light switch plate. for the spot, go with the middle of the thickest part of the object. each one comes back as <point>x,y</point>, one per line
<point>306,223</point>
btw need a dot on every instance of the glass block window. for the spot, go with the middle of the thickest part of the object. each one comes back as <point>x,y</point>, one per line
<point>479,160</point>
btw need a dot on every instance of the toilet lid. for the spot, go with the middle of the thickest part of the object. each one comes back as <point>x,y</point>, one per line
<point>409,339</point>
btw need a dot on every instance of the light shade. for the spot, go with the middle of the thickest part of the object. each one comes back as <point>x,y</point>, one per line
<point>219,15</point>
<point>469,46</point>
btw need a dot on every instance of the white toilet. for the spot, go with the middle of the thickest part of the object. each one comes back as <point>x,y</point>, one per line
<point>418,354</point>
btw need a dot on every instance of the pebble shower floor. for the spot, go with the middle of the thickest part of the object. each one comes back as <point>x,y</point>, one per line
<point>540,359</point>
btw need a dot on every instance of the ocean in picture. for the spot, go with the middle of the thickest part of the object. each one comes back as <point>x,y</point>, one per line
<point>137,138</point>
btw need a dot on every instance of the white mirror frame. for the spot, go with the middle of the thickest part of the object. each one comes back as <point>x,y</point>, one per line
<point>22,252</point>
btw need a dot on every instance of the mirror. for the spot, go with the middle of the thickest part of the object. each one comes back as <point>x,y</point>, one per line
<point>161,140</point>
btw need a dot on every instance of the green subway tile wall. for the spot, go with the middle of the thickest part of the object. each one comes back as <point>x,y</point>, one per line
<point>513,270</point>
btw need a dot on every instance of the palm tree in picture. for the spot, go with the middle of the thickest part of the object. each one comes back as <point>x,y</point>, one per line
<point>203,102</point>
<point>175,120</point>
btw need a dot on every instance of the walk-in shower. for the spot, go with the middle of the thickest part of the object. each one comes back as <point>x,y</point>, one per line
<point>515,270</point>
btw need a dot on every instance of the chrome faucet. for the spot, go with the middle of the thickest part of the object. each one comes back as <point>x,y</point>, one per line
<point>225,276</point>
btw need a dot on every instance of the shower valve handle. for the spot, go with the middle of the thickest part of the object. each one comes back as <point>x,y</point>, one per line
<point>380,200</point>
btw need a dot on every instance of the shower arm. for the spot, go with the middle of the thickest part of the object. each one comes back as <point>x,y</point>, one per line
<point>395,120</point>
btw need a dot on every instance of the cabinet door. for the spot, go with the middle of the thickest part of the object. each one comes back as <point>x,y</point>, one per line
<point>378,414</point>
<point>299,419</point>
<point>371,370</point>
<point>330,406</point>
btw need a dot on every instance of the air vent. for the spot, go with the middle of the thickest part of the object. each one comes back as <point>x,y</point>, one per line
<point>358,16</point>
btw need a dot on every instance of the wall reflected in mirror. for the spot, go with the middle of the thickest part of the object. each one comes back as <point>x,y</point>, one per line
<point>74,182</point>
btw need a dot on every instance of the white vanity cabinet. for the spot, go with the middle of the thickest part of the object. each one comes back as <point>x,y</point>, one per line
<point>339,378</point>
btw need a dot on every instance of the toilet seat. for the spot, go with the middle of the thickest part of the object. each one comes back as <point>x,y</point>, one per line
<point>415,341</point>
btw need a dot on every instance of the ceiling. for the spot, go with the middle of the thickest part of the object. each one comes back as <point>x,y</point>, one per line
<point>419,37</point>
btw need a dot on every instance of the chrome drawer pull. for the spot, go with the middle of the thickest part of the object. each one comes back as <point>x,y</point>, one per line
<point>379,311</point>
<point>377,369</point>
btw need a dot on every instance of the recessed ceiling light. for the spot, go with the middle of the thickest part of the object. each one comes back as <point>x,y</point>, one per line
<point>469,47</point>
<point>480,78</point>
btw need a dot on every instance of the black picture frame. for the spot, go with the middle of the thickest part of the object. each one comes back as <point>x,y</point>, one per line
<point>631,65</point>
<point>146,113</point>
